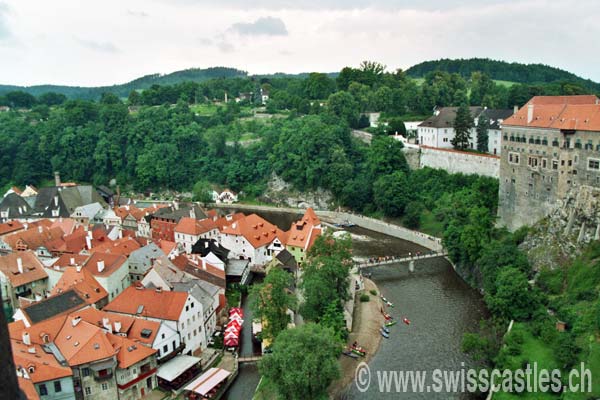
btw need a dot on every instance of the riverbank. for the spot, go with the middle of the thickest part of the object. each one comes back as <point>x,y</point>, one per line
<point>365,331</point>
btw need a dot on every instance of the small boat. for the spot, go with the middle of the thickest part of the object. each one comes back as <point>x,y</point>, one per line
<point>387,316</point>
<point>390,323</point>
<point>358,352</point>
<point>350,354</point>
<point>385,329</point>
<point>390,304</point>
<point>384,333</point>
<point>406,321</point>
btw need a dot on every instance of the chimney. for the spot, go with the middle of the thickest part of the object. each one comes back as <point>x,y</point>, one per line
<point>120,233</point>
<point>90,234</point>
<point>78,268</point>
<point>88,242</point>
<point>26,338</point>
<point>20,265</point>
<point>72,261</point>
<point>192,213</point>
<point>101,266</point>
<point>515,109</point>
<point>57,178</point>
<point>203,264</point>
<point>529,113</point>
<point>106,324</point>
<point>40,229</point>
<point>117,326</point>
<point>75,321</point>
<point>25,226</point>
<point>31,350</point>
<point>56,201</point>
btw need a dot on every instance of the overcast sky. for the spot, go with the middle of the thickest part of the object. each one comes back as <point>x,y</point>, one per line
<point>114,41</point>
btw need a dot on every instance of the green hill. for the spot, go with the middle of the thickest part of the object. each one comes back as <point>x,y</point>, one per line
<point>123,90</point>
<point>503,71</point>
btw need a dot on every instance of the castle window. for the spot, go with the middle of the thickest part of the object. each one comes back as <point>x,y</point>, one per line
<point>545,142</point>
<point>512,138</point>
<point>538,140</point>
<point>531,140</point>
<point>555,143</point>
<point>532,162</point>
<point>578,144</point>
<point>589,145</point>
<point>506,137</point>
<point>594,164</point>
<point>513,158</point>
<point>554,164</point>
<point>544,163</point>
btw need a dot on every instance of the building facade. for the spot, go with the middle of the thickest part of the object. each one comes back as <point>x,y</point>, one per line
<point>549,147</point>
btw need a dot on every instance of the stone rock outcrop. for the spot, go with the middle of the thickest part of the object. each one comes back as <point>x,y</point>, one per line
<point>573,223</point>
<point>281,193</point>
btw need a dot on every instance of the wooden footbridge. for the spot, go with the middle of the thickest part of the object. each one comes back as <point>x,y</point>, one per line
<point>249,359</point>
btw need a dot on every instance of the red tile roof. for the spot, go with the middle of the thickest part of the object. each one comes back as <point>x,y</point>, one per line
<point>257,231</point>
<point>124,246</point>
<point>10,226</point>
<point>33,269</point>
<point>28,389</point>
<point>162,305</point>
<point>129,352</point>
<point>559,112</point>
<point>44,366</point>
<point>82,343</point>
<point>303,232</point>
<point>49,327</point>
<point>83,282</point>
<point>34,237</point>
<point>191,226</point>
<point>65,260</point>
<point>112,262</point>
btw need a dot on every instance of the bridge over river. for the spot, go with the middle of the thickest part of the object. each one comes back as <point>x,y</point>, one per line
<point>383,261</point>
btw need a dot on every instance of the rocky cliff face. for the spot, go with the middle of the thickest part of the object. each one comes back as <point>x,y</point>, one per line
<point>284,194</point>
<point>574,222</point>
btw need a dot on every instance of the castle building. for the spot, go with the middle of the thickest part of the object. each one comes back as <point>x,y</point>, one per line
<point>549,147</point>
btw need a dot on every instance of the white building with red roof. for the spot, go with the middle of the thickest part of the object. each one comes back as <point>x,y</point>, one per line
<point>178,310</point>
<point>252,238</point>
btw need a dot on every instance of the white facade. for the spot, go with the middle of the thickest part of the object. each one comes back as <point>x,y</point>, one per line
<point>188,240</point>
<point>242,249</point>
<point>167,340</point>
<point>116,282</point>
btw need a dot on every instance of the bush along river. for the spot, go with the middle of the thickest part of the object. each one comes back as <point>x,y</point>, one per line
<point>441,307</point>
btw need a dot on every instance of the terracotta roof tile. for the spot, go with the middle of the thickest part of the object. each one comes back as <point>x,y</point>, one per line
<point>257,231</point>
<point>82,342</point>
<point>28,389</point>
<point>34,237</point>
<point>33,269</point>
<point>44,367</point>
<point>65,260</point>
<point>83,282</point>
<point>164,305</point>
<point>129,352</point>
<point>37,331</point>
<point>10,226</point>
<point>112,262</point>
<point>124,246</point>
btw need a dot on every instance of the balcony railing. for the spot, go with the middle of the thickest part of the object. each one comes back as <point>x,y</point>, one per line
<point>103,377</point>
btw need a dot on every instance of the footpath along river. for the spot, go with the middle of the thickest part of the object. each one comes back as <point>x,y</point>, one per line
<point>439,304</point>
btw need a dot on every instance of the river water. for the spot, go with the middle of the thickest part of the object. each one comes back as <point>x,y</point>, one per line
<point>439,304</point>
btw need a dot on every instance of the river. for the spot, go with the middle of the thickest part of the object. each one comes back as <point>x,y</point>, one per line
<point>439,304</point>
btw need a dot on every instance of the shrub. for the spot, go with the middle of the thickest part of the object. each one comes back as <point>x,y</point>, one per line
<point>364,298</point>
<point>373,292</point>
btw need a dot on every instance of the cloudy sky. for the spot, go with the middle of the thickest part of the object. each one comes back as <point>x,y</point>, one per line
<point>113,41</point>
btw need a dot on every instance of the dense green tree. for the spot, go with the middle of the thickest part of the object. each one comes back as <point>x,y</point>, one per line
<point>304,362</point>
<point>483,126</point>
<point>391,193</point>
<point>343,105</point>
<point>325,277</point>
<point>512,298</point>
<point>462,127</point>
<point>272,299</point>
<point>385,156</point>
<point>202,192</point>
